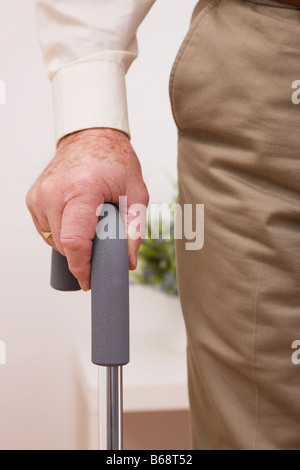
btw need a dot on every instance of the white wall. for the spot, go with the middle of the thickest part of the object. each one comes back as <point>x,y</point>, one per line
<point>39,325</point>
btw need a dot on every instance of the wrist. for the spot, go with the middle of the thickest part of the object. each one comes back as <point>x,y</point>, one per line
<point>92,134</point>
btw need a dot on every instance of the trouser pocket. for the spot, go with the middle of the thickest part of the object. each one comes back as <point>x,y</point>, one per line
<point>202,9</point>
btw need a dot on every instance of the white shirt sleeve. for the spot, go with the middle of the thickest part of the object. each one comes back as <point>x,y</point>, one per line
<point>88,46</point>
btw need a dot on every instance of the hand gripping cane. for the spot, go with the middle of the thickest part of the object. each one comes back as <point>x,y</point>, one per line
<point>110,317</point>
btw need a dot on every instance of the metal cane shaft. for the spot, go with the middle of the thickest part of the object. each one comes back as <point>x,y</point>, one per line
<point>110,408</point>
<point>110,317</point>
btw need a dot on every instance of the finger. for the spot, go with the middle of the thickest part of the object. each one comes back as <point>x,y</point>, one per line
<point>44,228</point>
<point>136,225</point>
<point>78,230</point>
<point>49,212</point>
<point>55,221</point>
<point>39,218</point>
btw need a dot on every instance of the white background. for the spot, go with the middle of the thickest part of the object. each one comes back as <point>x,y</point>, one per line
<point>41,326</point>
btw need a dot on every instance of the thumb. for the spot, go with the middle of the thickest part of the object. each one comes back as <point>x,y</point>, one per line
<point>135,226</point>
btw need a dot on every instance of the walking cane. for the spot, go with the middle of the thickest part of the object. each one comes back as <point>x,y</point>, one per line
<point>110,318</point>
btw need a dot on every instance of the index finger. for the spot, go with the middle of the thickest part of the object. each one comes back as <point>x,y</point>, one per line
<point>79,222</point>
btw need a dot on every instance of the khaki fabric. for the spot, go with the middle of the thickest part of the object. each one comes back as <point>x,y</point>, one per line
<point>239,155</point>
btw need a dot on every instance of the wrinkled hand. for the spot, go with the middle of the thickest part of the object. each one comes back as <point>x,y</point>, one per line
<point>90,167</point>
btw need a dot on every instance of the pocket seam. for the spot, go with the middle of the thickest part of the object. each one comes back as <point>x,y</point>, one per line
<point>202,14</point>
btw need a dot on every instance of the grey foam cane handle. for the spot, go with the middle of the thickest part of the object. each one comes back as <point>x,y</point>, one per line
<point>61,278</point>
<point>110,291</point>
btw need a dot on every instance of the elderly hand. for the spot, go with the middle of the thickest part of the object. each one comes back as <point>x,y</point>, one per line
<point>90,167</point>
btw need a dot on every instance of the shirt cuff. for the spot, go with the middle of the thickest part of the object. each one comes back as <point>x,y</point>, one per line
<point>90,94</point>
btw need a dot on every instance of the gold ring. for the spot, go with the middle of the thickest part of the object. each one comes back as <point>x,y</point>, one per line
<point>47,235</point>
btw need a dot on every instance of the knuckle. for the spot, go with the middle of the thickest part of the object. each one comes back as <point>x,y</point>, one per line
<point>28,200</point>
<point>46,188</point>
<point>143,195</point>
<point>78,186</point>
<point>146,197</point>
<point>71,243</point>
<point>32,200</point>
<point>140,195</point>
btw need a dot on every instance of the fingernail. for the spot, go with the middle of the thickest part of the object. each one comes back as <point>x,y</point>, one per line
<point>84,287</point>
<point>134,262</point>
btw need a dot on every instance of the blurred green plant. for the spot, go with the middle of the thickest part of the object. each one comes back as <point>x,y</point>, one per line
<point>156,258</point>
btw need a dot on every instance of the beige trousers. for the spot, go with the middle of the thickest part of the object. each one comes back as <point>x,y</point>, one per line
<point>239,155</point>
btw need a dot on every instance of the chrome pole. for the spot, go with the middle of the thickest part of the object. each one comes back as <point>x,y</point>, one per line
<point>110,408</point>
